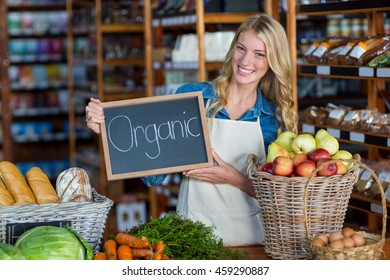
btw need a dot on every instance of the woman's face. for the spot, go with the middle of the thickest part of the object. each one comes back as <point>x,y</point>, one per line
<point>249,58</point>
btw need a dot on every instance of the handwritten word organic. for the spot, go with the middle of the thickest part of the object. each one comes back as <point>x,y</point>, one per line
<point>153,133</point>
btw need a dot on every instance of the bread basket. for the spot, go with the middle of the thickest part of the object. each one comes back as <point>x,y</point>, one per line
<point>86,218</point>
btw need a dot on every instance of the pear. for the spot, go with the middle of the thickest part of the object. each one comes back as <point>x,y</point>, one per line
<point>326,141</point>
<point>343,154</point>
<point>275,150</point>
<point>303,143</point>
<point>285,139</point>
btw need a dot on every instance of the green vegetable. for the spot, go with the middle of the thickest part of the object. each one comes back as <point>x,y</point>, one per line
<point>10,252</point>
<point>53,243</point>
<point>186,239</point>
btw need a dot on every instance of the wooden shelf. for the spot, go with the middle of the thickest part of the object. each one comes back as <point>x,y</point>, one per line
<point>347,72</point>
<point>122,28</point>
<point>342,7</point>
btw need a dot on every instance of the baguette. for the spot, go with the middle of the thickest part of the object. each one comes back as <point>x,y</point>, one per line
<point>41,186</point>
<point>16,184</point>
<point>6,198</point>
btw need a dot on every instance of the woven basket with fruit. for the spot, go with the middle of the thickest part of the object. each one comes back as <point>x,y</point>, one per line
<point>295,164</point>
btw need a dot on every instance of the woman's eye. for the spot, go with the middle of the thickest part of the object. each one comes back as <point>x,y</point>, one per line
<point>260,54</point>
<point>240,48</point>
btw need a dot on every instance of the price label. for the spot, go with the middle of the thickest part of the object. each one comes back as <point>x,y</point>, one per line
<point>388,142</point>
<point>376,208</point>
<point>383,72</point>
<point>334,132</point>
<point>156,23</point>
<point>323,70</point>
<point>308,128</point>
<point>366,72</point>
<point>358,137</point>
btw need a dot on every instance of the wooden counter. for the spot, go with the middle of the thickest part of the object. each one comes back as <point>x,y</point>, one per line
<point>257,252</point>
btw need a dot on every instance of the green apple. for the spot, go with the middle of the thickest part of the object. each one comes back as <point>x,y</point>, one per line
<point>343,154</point>
<point>303,144</point>
<point>285,139</point>
<point>326,141</point>
<point>275,150</point>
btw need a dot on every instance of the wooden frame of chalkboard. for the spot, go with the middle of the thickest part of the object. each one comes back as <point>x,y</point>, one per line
<point>155,135</point>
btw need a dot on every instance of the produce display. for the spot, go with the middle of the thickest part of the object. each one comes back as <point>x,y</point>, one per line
<point>169,237</point>
<point>47,243</point>
<point>301,154</point>
<point>36,188</point>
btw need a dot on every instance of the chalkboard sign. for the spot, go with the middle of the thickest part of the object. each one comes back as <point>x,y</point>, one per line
<point>155,135</point>
<point>15,230</point>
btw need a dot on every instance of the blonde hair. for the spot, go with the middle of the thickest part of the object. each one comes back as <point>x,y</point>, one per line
<point>276,83</point>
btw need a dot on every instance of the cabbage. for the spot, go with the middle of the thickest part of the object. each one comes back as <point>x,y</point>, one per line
<point>10,252</point>
<point>53,243</point>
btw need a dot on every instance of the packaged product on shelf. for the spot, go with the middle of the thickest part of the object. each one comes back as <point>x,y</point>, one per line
<point>368,119</point>
<point>354,118</point>
<point>368,49</point>
<point>382,60</point>
<point>309,114</point>
<point>321,53</point>
<point>336,115</point>
<point>322,116</point>
<point>337,56</point>
<point>384,178</point>
<point>365,181</point>
<point>380,124</point>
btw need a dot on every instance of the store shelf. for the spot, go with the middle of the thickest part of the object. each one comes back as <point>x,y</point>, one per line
<point>342,7</point>
<point>351,72</point>
<point>372,79</point>
<point>33,83</point>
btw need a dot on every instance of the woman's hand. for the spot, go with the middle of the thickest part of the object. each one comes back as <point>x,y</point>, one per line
<point>94,114</point>
<point>222,173</point>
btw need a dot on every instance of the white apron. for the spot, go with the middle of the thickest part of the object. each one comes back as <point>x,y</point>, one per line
<point>235,214</point>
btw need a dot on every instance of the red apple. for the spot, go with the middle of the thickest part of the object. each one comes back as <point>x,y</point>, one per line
<point>318,154</point>
<point>283,166</point>
<point>299,158</point>
<point>305,168</point>
<point>266,167</point>
<point>327,169</point>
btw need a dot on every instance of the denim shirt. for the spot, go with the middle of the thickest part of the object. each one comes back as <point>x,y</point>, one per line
<point>263,108</point>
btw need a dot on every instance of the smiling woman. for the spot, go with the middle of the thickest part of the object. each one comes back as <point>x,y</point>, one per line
<point>247,106</point>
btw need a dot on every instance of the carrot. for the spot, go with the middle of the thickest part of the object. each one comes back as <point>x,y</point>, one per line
<point>131,240</point>
<point>164,257</point>
<point>124,252</point>
<point>156,256</point>
<point>100,256</point>
<point>159,247</point>
<point>110,247</point>
<point>139,253</point>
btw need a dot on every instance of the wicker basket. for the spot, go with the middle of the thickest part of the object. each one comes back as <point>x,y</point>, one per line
<point>374,242</point>
<point>281,200</point>
<point>86,218</point>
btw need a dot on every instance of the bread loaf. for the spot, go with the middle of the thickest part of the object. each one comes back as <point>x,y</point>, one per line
<point>6,198</point>
<point>73,185</point>
<point>16,184</point>
<point>41,186</point>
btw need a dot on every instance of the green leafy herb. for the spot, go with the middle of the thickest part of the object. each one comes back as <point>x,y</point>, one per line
<point>186,239</point>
